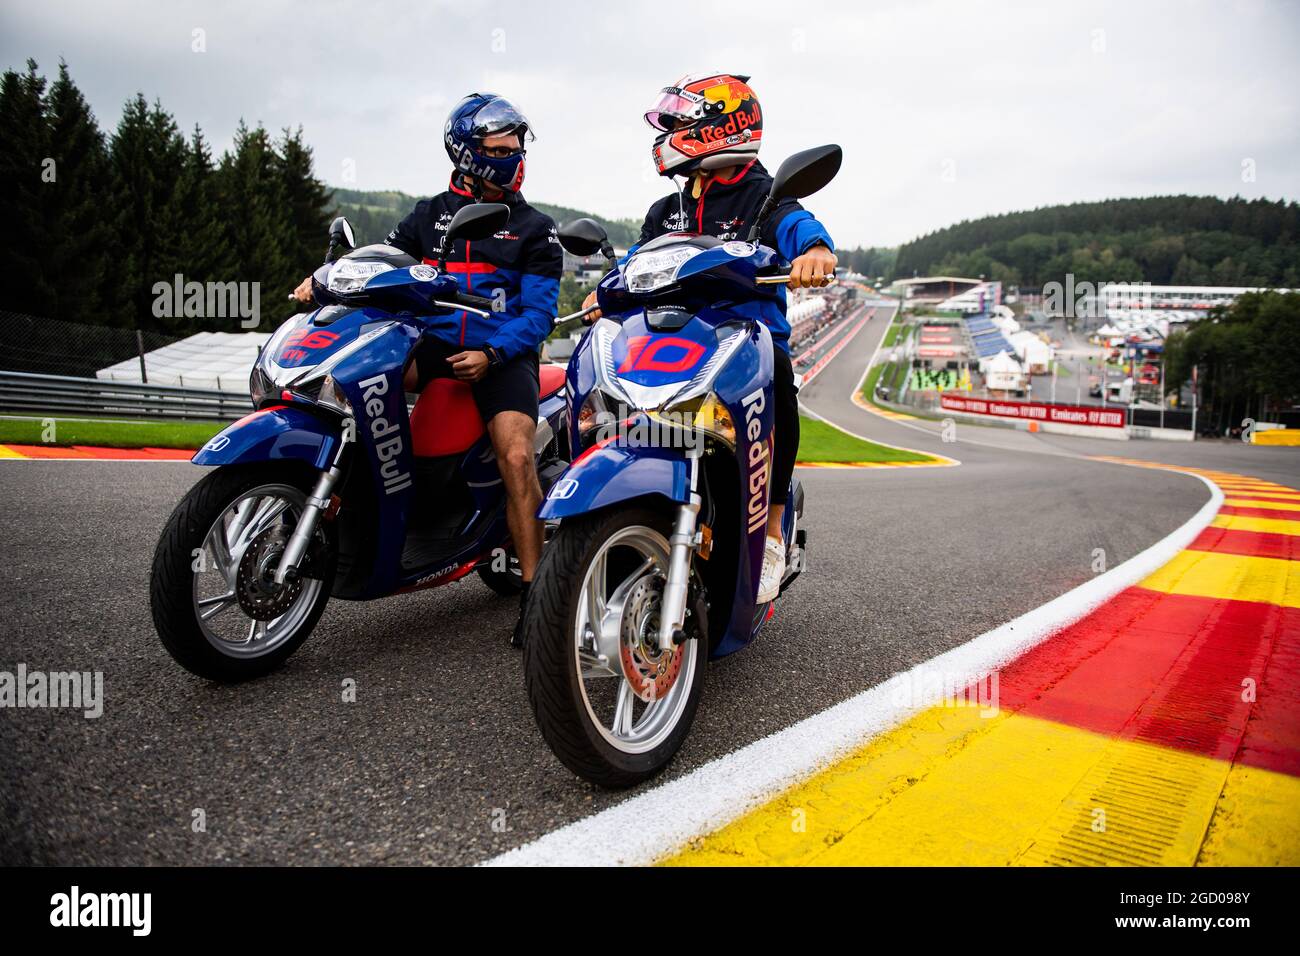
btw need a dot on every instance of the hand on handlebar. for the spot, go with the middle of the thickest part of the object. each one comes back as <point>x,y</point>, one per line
<point>587,303</point>
<point>303,292</point>
<point>814,269</point>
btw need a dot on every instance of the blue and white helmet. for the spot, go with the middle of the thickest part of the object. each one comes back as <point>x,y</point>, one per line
<point>486,114</point>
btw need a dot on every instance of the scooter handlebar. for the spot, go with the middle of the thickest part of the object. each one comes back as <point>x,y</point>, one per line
<point>782,280</point>
<point>475,301</point>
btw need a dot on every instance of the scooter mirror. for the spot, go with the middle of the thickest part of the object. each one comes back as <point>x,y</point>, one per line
<point>800,175</point>
<point>806,172</point>
<point>477,221</point>
<point>585,237</point>
<point>342,239</point>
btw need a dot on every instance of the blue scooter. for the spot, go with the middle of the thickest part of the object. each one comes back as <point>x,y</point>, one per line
<point>331,487</point>
<point>662,514</point>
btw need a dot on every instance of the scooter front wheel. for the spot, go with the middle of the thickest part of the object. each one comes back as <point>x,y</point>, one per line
<point>216,606</point>
<point>612,706</point>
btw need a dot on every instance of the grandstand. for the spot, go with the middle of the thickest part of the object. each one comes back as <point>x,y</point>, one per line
<point>987,339</point>
<point>984,297</point>
<point>930,290</point>
<point>1197,299</point>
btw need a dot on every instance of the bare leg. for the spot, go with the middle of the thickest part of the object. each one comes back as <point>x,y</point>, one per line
<point>512,436</point>
<point>774,514</point>
<point>411,379</point>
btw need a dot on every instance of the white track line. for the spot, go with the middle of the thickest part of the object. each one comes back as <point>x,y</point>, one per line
<point>656,822</point>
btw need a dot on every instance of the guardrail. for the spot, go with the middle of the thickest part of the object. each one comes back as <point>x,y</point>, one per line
<point>61,394</point>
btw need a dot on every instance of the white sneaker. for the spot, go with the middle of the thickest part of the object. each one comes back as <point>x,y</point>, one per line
<point>769,583</point>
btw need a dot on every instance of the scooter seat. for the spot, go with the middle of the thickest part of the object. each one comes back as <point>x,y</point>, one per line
<point>550,379</point>
<point>445,420</point>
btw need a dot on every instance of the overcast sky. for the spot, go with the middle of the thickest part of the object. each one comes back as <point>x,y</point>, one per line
<point>946,110</point>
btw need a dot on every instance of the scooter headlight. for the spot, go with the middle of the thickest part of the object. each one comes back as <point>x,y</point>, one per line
<point>704,413</point>
<point>349,275</point>
<point>259,385</point>
<point>594,416</point>
<point>332,396</point>
<point>648,271</point>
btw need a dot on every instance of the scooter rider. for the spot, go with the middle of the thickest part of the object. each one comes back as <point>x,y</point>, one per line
<point>486,138</point>
<point>710,129</point>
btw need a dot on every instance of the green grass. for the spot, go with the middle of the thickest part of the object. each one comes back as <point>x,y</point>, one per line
<point>898,378</point>
<point>869,390</point>
<point>51,430</point>
<point>822,442</point>
<point>892,333</point>
<point>884,370</point>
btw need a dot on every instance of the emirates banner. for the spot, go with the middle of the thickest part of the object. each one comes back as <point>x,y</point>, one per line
<point>1036,411</point>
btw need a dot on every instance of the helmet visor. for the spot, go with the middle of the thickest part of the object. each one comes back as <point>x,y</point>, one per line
<point>673,108</point>
<point>500,116</point>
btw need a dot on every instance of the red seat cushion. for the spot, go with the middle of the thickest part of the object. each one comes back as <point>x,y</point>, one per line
<point>550,379</point>
<point>445,420</point>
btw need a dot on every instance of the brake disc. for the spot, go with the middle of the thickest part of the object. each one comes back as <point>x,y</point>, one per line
<point>651,672</point>
<point>259,596</point>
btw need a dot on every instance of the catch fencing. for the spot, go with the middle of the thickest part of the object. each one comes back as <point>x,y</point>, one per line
<point>29,343</point>
<point>69,395</point>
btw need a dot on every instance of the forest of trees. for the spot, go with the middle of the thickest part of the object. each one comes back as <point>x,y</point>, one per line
<point>92,220</point>
<point>1166,240</point>
<point>1248,356</point>
<point>374,213</point>
<point>871,262</point>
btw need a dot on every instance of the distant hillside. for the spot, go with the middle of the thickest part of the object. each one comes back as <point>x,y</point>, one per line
<point>1166,240</point>
<point>374,214</point>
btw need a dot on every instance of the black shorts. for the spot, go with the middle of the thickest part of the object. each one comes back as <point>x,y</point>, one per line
<point>510,387</point>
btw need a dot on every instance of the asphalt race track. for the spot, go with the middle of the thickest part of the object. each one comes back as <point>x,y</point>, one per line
<point>438,760</point>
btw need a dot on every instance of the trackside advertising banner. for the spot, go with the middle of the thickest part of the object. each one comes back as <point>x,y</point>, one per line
<point>1035,411</point>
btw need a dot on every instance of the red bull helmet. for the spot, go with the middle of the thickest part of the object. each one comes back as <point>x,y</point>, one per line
<point>706,121</point>
<point>475,117</point>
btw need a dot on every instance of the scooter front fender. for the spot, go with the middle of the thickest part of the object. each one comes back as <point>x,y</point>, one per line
<point>612,474</point>
<point>274,433</point>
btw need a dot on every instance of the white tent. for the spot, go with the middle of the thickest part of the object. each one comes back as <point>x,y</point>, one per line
<point>1003,373</point>
<point>1035,354</point>
<point>1006,323</point>
<point>220,360</point>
